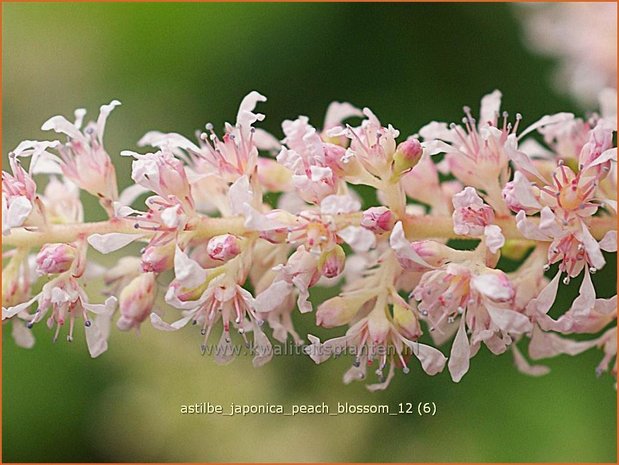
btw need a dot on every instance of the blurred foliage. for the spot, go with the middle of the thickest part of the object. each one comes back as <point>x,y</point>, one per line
<point>176,67</point>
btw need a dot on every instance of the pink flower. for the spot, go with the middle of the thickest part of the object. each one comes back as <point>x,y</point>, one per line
<point>422,183</point>
<point>300,272</point>
<point>310,160</point>
<point>372,146</point>
<point>482,297</point>
<point>163,174</point>
<point>67,300</point>
<point>83,158</point>
<point>521,194</point>
<point>20,203</point>
<point>472,218</point>
<point>475,154</point>
<point>375,338</point>
<point>234,155</point>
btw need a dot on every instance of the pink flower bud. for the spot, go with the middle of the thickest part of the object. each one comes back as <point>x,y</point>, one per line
<point>406,156</point>
<point>55,258</point>
<point>223,247</point>
<point>136,301</point>
<point>331,263</point>
<point>378,219</point>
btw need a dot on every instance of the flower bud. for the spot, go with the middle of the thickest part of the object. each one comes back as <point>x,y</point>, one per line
<point>378,219</point>
<point>406,321</point>
<point>406,156</point>
<point>224,247</point>
<point>55,258</point>
<point>136,301</point>
<point>331,262</point>
<point>337,311</point>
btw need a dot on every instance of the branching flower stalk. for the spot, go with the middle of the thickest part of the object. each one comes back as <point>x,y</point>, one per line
<point>236,266</point>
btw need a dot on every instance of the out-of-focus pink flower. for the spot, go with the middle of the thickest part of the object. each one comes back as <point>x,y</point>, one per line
<point>588,60</point>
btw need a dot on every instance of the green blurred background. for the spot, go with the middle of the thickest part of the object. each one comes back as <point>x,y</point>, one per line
<point>177,66</point>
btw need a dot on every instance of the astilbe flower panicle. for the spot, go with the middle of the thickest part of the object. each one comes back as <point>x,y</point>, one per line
<point>216,255</point>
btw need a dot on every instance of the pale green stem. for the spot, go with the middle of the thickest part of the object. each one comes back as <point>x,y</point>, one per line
<point>416,228</point>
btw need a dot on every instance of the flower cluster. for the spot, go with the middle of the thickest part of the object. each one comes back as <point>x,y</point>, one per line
<point>215,254</point>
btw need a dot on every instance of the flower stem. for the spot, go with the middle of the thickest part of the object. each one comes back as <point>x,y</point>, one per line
<point>416,228</point>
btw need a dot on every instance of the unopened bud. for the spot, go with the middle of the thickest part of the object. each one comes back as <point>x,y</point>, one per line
<point>223,247</point>
<point>406,322</point>
<point>406,156</point>
<point>331,262</point>
<point>136,301</point>
<point>337,311</point>
<point>55,258</point>
<point>378,219</point>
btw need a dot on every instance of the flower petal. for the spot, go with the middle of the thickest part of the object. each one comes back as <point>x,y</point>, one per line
<point>273,296</point>
<point>402,246</point>
<point>460,354</point>
<point>161,325</point>
<point>525,367</point>
<point>509,321</point>
<point>106,243</point>
<point>22,336</point>
<point>359,239</point>
<point>432,360</point>
<point>592,248</point>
